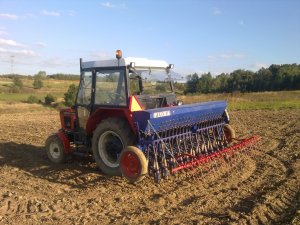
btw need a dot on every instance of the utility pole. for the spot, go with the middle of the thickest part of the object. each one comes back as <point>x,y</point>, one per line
<point>12,64</point>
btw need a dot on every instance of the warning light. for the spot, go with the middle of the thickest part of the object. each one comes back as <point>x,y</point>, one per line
<point>118,54</point>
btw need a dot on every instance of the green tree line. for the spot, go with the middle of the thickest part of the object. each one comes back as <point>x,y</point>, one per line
<point>62,76</point>
<point>42,75</point>
<point>274,78</point>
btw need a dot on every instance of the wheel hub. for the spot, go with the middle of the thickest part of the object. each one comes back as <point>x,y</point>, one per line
<point>54,150</point>
<point>110,147</point>
<point>130,164</point>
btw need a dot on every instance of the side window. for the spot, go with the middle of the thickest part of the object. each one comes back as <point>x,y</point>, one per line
<point>110,88</point>
<point>84,93</point>
<point>134,88</point>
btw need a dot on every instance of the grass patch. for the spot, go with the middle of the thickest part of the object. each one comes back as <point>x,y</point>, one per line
<point>272,105</point>
<point>22,97</point>
<point>57,88</point>
<point>249,101</point>
<point>17,107</point>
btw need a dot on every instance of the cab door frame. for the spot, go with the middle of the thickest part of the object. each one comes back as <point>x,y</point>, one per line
<point>88,107</point>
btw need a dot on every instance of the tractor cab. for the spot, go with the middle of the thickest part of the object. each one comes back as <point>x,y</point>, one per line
<point>112,85</point>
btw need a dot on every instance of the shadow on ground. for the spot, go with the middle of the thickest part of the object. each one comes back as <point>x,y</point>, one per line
<point>77,172</point>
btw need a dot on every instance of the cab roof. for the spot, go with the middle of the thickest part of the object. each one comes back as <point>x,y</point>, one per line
<point>138,63</point>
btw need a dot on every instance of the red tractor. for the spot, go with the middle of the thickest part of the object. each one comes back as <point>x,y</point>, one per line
<point>131,130</point>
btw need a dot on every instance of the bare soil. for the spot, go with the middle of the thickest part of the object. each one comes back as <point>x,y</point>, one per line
<point>257,187</point>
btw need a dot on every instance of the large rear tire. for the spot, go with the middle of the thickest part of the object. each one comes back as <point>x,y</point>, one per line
<point>133,164</point>
<point>55,149</point>
<point>109,139</point>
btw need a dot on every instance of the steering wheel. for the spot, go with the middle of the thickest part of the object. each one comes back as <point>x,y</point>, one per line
<point>115,97</point>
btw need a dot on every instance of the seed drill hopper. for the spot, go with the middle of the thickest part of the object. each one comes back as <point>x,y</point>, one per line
<point>135,132</point>
<point>186,136</point>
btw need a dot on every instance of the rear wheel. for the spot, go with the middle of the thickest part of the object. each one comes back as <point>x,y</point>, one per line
<point>55,149</point>
<point>109,139</point>
<point>133,164</point>
<point>229,133</point>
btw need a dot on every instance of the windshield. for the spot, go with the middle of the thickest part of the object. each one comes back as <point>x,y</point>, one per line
<point>153,82</point>
<point>110,88</point>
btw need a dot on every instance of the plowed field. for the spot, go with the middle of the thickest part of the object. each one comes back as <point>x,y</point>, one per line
<point>257,188</point>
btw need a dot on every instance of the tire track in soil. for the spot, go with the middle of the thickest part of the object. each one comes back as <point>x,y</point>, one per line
<point>236,180</point>
<point>269,170</point>
<point>261,189</point>
<point>278,202</point>
<point>201,195</point>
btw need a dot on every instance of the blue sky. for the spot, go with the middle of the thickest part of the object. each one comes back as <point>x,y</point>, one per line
<point>196,36</point>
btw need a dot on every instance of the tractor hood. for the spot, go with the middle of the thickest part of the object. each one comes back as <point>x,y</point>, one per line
<point>167,118</point>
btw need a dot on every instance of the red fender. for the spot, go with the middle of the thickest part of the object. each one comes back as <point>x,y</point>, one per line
<point>103,113</point>
<point>65,141</point>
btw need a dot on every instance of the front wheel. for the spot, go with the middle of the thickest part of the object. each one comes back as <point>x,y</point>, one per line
<point>55,149</point>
